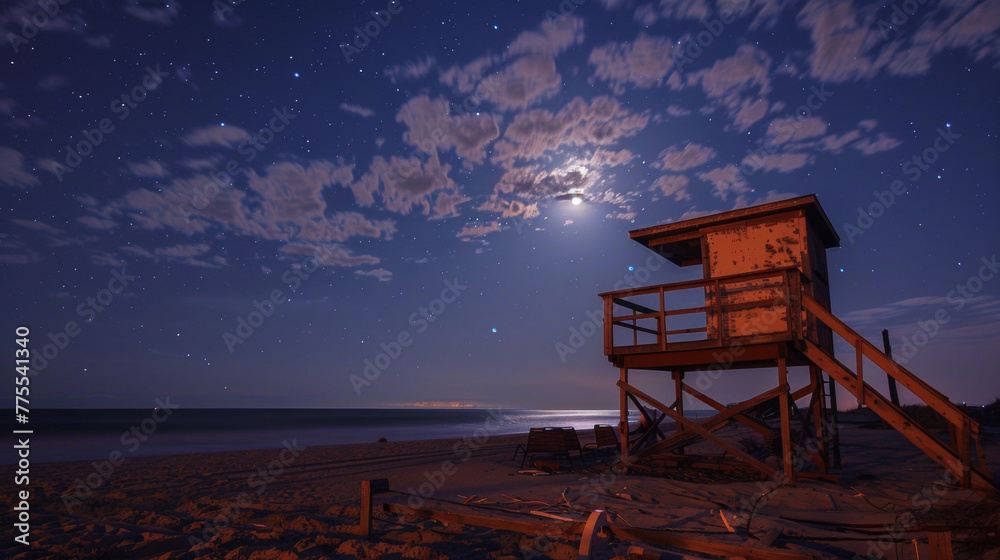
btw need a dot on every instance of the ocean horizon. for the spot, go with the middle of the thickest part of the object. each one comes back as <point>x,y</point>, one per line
<point>61,435</point>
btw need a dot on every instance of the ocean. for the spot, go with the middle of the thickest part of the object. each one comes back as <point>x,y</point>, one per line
<point>93,434</point>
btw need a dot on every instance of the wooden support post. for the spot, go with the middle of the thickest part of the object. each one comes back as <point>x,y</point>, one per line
<point>679,392</point>
<point>623,413</point>
<point>368,489</point>
<point>819,417</point>
<point>786,426</point>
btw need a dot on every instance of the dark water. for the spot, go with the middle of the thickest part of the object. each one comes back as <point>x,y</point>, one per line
<point>92,434</point>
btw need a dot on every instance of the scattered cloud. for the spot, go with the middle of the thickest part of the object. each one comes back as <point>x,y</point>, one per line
<point>673,185</point>
<point>685,9</point>
<point>330,255</point>
<point>523,82</point>
<point>410,70</point>
<point>881,143</point>
<point>357,110</point>
<point>182,251</point>
<point>676,111</point>
<point>164,14</point>
<point>783,163</point>
<point>106,259</point>
<point>381,274</point>
<point>94,222</point>
<point>725,181</point>
<point>53,82</point>
<point>149,168</point>
<point>465,79</point>
<point>643,63</point>
<point>556,36</point>
<point>509,208</point>
<point>12,171</point>
<point>36,225</point>
<point>216,135</point>
<point>835,143</point>
<point>429,127</point>
<point>729,78</point>
<point>533,134</point>
<point>693,155</point>
<point>750,111</point>
<point>403,184</point>
<point>792,129</point>
<point>479,230</point>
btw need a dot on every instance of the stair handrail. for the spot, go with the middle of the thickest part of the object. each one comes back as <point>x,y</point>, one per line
<point>905,377</point>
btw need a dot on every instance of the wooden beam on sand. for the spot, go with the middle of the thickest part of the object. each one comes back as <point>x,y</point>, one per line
<point>707,546</point>
<point>368,489</point>
<point>526,527</point>
<point>940,543</point>
<point>567,530</point>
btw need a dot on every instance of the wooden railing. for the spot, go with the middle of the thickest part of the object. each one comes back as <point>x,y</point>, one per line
<point>962,429</point>
<point>763,305</point>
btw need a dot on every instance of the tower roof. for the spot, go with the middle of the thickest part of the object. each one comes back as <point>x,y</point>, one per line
<point>680,242</point>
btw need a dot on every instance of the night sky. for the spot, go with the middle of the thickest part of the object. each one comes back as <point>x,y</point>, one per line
<point>245,206</point>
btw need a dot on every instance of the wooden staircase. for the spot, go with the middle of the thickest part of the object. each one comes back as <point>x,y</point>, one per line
<point>955,455</point>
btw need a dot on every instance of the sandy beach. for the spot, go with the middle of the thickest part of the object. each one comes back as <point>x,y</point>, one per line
<point>305,503</point>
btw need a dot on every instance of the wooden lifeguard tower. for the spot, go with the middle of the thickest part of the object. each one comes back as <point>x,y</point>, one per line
<point>763,302</point>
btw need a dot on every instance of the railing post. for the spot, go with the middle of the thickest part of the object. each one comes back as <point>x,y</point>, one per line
<point>717,308</point>
<point>635,334</point>
<point>609,337</point>
<point>861,378</point>
<point>623,413</point>
<point>663,322</point>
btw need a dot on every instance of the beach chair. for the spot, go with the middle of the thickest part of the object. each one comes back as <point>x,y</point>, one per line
<point>572,442</point>
<point>606,436</point>
<point>543,440</point>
